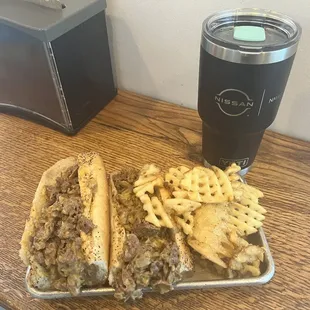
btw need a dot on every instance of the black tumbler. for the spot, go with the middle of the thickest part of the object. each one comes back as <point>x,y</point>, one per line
<point>245,61</point>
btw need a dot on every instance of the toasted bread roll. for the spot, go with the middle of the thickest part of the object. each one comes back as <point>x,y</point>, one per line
<point>66,239</point>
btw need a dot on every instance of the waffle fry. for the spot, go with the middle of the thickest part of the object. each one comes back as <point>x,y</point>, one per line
<point>247,203</point>
<point>180,194</point>
<point>238,243</point>
<point>210,233</point>
<point>237,217</point>
<point>149,178</point>
<point>224,182</point>
<point>213,186</point>
<point>233,172</point>
<point>181,206</point>
<point>164,194</point>
<point>247,260</point>
<point>156,212</point>
<point>186,222</point>
<point>252,205</point>
<point>217,230</point>
<point>242,190</point>
<point>174,176</point>
<point>148,187</point>
<point>148,174</point>
<point>206,252</point>
<point>246,220</point>
<point>181,210</point>
<point>206,185</point>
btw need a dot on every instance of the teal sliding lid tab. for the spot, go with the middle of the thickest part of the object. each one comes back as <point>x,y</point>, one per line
<point>249,33</point>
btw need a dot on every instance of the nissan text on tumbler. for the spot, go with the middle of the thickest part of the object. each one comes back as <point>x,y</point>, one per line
<point>245,61</point>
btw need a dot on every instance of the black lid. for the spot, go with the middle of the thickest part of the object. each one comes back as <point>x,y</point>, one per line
<point>252,36</point>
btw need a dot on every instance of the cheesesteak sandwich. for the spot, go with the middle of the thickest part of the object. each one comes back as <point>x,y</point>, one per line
<point>66,239</point>
<point>147,250</point>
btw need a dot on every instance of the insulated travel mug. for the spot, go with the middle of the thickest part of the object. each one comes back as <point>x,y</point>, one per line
<point>245,61</point>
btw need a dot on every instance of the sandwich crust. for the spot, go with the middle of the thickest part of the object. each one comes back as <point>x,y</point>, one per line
<point>118,234</point>
<point>93,186</point>
<point>95,196</point>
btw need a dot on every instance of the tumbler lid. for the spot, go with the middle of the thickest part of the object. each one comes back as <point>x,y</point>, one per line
<point>250,36</point>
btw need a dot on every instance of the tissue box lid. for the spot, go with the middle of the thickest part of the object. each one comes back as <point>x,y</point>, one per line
<point>44,23</point>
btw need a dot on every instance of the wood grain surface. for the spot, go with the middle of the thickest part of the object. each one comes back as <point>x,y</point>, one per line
<point>134,130</point>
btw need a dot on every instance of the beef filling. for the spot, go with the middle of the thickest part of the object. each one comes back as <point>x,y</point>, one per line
<point>150,257</point>
<point>57,245</point>
<point>130,210</point>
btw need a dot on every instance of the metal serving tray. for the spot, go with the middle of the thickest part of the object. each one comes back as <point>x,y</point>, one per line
<point>202,278</point>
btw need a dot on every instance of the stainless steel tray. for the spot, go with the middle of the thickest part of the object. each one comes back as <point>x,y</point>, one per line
<point>201,278</point>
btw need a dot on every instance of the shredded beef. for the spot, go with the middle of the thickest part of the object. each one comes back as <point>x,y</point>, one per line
<point>131,247</point>
<point>171,255</point>
<point>60,284</point>
<point>85,224</point>
<point>39,257</point>
<point>57,245</point>
<point>90,275</point>
<point>162,286</point>
<point>50,253</point>
<point>51,192</point>
<point>145,229</point>
<point>66,230</point>
<point>151,262</point>
<point>143,258</point>
<point>156,267</point>
<point>128,280</point>
<point>130,208</point>
<point>128,175</point>
<point>74,283</point>
<point>71,206</point>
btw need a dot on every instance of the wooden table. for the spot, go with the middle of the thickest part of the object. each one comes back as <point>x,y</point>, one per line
<point>134,130</point>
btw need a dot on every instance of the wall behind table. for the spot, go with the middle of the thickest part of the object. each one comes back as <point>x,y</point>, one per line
<point>155,46</point>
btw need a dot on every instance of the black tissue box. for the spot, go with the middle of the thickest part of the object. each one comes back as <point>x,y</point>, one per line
<point>55,65</point>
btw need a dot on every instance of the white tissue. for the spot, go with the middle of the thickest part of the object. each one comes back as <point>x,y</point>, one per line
<point>54,4</point>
